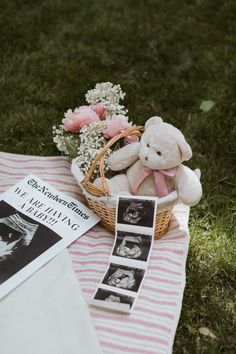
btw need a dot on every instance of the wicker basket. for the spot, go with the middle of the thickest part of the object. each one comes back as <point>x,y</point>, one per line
<point>99,200</point>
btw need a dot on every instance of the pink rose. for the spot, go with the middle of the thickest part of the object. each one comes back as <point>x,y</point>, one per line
<point>81,117</point>
<point>100,110</point>
<point>131,139</point>
<point>115,125</point>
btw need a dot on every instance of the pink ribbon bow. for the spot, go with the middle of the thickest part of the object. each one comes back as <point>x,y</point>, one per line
<point>159,177</point>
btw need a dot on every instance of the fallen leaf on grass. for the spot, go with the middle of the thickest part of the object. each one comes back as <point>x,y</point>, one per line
<point>206,106</point>
<point>206,332</point>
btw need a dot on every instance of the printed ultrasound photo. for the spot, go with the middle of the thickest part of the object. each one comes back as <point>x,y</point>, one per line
<point>136,212</point>
<point>22,239</point>
<point>111,296</point>
<point>124,277</point>
<point>132,246</point>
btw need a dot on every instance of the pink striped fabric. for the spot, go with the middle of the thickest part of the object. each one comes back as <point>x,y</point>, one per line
<point>150,329</point>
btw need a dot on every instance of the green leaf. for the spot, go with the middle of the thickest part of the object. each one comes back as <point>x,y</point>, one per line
<point>191,329</point>
<point>71,147</point>
<point>206,106</point>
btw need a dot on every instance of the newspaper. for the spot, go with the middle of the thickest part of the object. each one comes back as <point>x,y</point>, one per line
<point>36,223</point>
<point>128,262</point>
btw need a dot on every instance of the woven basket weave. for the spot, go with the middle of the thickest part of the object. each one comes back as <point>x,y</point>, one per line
<point>94,196</point>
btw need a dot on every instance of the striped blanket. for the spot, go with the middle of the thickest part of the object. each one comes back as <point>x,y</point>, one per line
<point>150,329</point>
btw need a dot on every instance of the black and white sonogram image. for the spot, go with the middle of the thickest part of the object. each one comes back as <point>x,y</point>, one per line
<point>138,212</point>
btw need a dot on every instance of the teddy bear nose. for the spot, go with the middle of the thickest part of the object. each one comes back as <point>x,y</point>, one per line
<point>146,158</point>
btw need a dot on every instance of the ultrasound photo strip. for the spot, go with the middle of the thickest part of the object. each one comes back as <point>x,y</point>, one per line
<point>120,285</point>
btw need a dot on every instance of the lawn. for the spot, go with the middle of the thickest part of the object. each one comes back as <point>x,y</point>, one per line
<point>168,56</point>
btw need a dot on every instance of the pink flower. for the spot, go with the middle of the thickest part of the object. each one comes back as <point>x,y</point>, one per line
<point>81,117</point>
<point>115,125</point>
<point>131,139</point>
<point>100,110</point>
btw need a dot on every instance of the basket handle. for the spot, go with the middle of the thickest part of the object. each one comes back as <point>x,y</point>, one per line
<point>132,131</point>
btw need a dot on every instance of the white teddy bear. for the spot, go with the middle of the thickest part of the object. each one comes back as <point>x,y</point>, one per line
<point>154,165</point>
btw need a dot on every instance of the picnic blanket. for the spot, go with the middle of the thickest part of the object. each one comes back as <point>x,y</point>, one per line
<point>151,327</point>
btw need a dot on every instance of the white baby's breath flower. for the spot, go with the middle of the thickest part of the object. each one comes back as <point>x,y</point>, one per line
<point>66,143</point>
<point>68,114</point>
<point>58,139</point>
<point>109,96</point>
<point>91,142</point>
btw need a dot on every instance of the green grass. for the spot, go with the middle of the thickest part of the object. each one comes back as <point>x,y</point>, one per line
<point>169,56</point>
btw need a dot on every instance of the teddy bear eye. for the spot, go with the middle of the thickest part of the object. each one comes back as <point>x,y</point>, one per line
<point>148,145</point>
<point>158,153</point>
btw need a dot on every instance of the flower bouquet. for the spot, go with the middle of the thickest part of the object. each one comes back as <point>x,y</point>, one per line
<point>88,135</point>
<point>87,129</point>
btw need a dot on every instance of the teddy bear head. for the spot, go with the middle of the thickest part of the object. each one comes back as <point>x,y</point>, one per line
<point>162,145</point>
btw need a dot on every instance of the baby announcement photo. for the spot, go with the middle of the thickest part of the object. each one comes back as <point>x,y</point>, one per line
<point>36,223</point>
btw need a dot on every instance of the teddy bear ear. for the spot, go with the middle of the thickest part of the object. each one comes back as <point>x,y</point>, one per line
<point>153,121</point>
<point>185,150</point>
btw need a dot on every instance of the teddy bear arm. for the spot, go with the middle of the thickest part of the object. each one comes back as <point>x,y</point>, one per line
<point>124,157</point>
<point>188,185</point>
